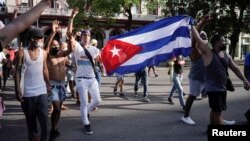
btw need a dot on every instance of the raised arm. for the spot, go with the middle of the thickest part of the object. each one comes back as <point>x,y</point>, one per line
<point>71,19</point>
<point>55,26</point>
<point>10,31</point>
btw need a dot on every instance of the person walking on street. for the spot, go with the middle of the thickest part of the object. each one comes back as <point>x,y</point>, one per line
<point>32,84</point>
<point>56,62</point>
<point>143,76</point>
<point>217,62</point>
<point>86,80</point>
<point>196,75</point>
<point>120,82</point>
<point>177,81</point>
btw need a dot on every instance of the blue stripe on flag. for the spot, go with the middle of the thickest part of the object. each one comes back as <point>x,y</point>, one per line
<point>153,26</point>
<point>152,61</point>
<point>154,45</point>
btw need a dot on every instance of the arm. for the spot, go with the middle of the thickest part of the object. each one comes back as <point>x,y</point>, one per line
<point>19,62</point>
<point>71,44</point>
<point>55,26</point>
<point>196,53</point>
<point>71,19</point>
<point>202,46</point>
<point>46,72</point>
<point>71,39</point>
<point>237,72</point>
<point>10,31</point>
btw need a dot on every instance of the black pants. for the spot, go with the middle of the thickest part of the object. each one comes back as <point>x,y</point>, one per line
<point>36,108</point>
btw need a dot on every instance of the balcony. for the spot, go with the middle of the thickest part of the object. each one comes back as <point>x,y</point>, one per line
<point>47,11</point>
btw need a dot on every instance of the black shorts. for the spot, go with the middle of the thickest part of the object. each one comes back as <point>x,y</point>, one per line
<point>217,100</point>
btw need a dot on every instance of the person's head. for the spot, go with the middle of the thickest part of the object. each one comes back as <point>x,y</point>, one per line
<point>54,47</point>
<point>203,36</point>
<point>93,42</point>
<point>85,36</point>
<point>218,42</point>
<point>63,46</point>
<point>36,37</point>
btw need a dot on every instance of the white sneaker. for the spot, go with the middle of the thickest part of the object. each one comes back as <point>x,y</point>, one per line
<point>188,120</point>
<point>228,122</point>
<point>145,99</point>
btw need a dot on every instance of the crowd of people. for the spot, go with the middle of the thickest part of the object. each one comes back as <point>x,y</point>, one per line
<point>44,69</point>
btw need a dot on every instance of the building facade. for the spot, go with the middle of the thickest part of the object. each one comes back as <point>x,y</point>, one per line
<point>102,32</point>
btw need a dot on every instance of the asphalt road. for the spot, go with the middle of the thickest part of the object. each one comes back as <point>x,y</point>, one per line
<point>128,118</point>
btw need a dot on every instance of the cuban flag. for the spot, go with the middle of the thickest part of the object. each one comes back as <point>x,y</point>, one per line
<point>148,45</point>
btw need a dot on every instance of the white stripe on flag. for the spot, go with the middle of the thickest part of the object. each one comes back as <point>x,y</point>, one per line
<point>139,58</point>
<point>156,34</point>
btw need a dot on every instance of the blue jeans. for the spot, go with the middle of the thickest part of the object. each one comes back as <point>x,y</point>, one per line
<point>143,76</point>
<point>177,79</point>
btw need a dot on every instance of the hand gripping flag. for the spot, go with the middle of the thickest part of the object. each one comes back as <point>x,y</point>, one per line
<point>148,45</point>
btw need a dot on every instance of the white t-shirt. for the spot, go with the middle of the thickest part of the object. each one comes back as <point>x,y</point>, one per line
<point>84,66</point>
<point>2,56</point>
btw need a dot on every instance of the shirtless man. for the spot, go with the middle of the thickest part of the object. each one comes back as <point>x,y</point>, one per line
<point>22,22</point>
<point>56,65</point>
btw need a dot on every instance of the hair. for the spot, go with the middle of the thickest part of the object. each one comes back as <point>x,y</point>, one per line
<point>215,39</point>
<point>93,42</point>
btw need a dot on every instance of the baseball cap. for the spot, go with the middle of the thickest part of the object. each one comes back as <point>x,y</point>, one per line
<point>86,32</point>
<point>35,33</point>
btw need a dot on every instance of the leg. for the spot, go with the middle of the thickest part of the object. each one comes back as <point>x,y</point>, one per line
<point>28,107</point>
<point>189,103</point>
<point>95,94</point>
<point>180,90</point>
<point>42,115</point>
<point>82,88</point>
<point>137,79</point>
<point>71,87</point>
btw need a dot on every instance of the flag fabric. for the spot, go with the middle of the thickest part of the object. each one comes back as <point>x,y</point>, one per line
<point>148,45</point>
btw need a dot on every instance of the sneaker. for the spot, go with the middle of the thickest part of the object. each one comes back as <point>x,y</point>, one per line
<point>145,99</point>
<point>170,101</point>
<point>184,108</point>
<point>87,129</point>
<point>78,102</point>
<point>188,120</point>
<point>115,91</point>
<point>228,122</point>
<point>156,75</point>
<point>136,95</point>
<point>54,134</point>
<point>122,94</point>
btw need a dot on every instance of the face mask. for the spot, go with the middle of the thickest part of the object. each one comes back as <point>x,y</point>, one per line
<point>54,51</point>
<point>38,44</point>
<point>224,47</point>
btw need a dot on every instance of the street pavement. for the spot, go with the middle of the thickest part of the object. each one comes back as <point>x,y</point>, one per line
<point>129,118</point>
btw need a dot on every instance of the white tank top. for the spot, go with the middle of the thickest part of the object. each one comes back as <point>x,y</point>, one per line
<point>32,75</point>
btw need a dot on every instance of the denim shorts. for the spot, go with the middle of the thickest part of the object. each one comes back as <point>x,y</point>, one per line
<point>58,92</point>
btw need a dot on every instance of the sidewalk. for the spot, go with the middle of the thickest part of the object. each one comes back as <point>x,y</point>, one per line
<point>128,118</point>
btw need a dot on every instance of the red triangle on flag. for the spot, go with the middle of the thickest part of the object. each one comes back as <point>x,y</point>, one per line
<point>116,53</point>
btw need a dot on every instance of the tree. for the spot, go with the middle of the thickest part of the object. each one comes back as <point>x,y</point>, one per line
<point>228,17</point>
<point>110,8</point>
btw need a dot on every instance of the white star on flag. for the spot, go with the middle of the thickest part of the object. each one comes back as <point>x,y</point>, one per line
<point>115,51</point>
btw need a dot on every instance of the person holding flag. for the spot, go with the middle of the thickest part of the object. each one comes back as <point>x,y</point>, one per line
<point>135,50</point>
